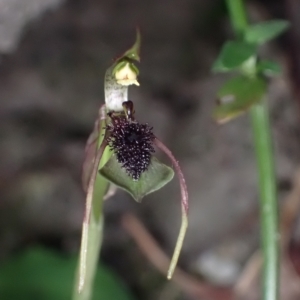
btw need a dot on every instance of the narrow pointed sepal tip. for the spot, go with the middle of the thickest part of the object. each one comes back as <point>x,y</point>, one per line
<point>179,244</point>
<point>184,208</point>
<point>170,275</point>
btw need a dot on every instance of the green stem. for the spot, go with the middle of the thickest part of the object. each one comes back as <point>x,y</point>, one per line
<point>94,240</point>
<point>267,182</point>
<point>268,195</point>
<point>92,227</point>
<point>92,231</point>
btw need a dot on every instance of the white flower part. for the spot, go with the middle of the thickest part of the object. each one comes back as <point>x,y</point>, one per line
<point>126,76</point>
<point>115,94</point>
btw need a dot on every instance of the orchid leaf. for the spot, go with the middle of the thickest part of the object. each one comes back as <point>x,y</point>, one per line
<point>38,273</point>
<point>156,176</point>
<point>263,32</point>
<point>237,95</point>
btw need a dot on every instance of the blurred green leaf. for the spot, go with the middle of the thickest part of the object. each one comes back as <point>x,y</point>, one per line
<point>237,95</point>
<point>150,181</point>
<point>44,275</point>
<point>218,66</point>
<point>268,68</point>
<point>233,54</point>
<point>262,32</point>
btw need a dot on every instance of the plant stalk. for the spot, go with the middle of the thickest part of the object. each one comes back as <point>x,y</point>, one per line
<point>268,199</point>
<point>92,231</point>
<point>267,181</point>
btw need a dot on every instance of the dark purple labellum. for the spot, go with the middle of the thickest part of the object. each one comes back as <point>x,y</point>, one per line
<point>132,143</point>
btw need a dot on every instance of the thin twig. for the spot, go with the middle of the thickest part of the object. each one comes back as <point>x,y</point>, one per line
<point>290,211</point>
<point>160,260</point>
<point>249,275</point>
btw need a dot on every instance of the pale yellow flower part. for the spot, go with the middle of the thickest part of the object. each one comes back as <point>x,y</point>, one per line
<point>126,76</point>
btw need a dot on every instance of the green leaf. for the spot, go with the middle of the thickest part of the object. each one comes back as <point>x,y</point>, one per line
<point>38,273</point>
<point>218,66</point>
<point>265,31</point>
<point>92,232</point>
<point>269,68</point>
<point>237,95</point>
<point>150,181</point>
<point>233,54</point>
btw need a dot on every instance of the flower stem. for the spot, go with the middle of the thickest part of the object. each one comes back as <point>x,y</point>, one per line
<point>265,161</point>
<point>268,203</point>
<point>92,227</point>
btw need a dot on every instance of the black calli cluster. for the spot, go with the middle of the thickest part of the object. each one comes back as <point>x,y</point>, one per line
<point>132,144</point>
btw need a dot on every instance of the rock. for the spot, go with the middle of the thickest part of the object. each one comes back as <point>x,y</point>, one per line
<point>15,15</point>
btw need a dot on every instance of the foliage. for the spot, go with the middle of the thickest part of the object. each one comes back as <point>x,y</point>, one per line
<point>241,56</point>
<point>248,92</point>
<point>119,151</point>
<point>38,273</point>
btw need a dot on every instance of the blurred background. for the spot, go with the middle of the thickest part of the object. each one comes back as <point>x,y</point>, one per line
<point>54,54</point>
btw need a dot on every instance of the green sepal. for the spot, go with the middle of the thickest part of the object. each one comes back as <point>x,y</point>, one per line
<point>268,68</point>
<point>265,31</point>
<point>134,68</point>
<point>238,95</point>
<point>233,54</point>
<point>128,57</point>
<point>120,64</point>
<point>156,176</point>
<point>133,52</point>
